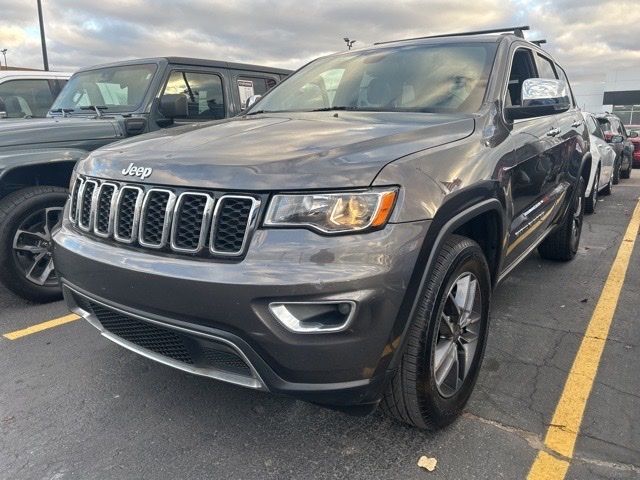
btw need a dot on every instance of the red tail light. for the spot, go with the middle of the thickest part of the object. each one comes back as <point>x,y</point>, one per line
<point>607,136</point>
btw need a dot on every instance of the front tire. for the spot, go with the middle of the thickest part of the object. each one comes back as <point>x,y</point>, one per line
<point>27,218</point>
<point>591,201</point>
<point>446,340</point>
<point>562,244</point>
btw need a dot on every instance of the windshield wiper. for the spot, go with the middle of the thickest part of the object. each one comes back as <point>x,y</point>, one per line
<point>257,112</point>
<point>330,109</point>
<point>96,108</point>
<point>63,111</point>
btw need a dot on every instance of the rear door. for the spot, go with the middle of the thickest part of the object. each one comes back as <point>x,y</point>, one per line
<point>248,83</point>
<point>537,181</point>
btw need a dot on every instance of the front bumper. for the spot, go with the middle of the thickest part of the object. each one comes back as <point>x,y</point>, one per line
<point>224,306</point>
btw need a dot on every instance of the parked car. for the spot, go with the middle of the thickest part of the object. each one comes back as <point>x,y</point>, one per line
<point>29,94</point>
<point>616,135</point>
<point>602,164</point>
<point>634,136</point>
<point>340,241</point>
<point>100,105</point>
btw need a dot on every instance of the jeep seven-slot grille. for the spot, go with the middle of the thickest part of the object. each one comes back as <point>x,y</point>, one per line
<point>186,222</point>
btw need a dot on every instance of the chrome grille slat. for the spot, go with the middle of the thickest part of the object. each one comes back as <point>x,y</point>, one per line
<point>191,217</point>
<point>127,213</point>
<point>234,217</point>
<point>105,209</point>
<point>75,196</point>
<point>156,217</point>
<point>86,201</point>
<point>163,219</point>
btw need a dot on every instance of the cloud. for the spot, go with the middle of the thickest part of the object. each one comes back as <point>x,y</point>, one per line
<point>583,35</point>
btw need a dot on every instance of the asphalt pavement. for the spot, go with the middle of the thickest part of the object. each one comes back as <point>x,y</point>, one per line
<point>75,406</point>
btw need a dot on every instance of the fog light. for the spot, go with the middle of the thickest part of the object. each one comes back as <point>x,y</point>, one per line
<point>314,317</point>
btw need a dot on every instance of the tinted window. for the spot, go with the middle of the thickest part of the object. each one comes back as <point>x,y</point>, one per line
<point>119,89</point>
<point>205,99</point>
<point>24,98</point>
<point>249,85</point>
<point>594,128</point>
<point>545,67</point>
<point>422,78</point>
<point>522,68</point>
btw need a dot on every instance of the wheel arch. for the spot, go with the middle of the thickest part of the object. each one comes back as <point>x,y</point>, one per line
<point>462,214</point>
<point>36,168</point>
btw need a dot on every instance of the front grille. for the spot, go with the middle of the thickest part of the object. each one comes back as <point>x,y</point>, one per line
<point>190,221</point>
<point>231,221</point>
<point>86,204</point>
<point>126,213</point>
<point>169,343</point>
<point>103,209</point>
<point>186,222</point>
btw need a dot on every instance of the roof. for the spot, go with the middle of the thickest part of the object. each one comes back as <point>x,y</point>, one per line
<point>32,74</point>
<point>196,62</point>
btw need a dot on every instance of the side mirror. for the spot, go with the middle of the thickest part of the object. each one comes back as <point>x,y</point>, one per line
<point>173,105</point>
<point>252,100</point>
<point>616,139</point>
<point>540,97</point>
<point>633,134</point>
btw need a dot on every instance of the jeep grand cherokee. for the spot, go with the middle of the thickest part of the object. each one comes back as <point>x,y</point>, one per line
<point>341,240</point>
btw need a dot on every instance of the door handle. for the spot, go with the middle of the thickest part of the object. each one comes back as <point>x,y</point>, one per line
<point>553,132</point>
<point>576,124</point>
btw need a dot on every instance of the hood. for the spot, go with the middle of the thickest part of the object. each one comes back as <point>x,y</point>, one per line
<point>38,131</point>
<point>276,152</point>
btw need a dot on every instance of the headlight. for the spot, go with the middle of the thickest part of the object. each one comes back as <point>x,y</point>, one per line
<point>333,212</point>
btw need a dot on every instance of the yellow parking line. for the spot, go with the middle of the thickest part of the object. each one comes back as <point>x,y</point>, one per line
<point>41,326</point>
<point>567,418</point>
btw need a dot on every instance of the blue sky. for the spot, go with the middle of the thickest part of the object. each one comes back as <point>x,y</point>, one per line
<point>586,36</point>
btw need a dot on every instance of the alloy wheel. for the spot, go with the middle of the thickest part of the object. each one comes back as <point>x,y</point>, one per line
<point>458,332</point>
<point>32,246</point>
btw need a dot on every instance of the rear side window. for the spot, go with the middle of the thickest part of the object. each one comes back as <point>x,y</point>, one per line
<point>545,67</point>
<point>522,68</point>
<point>252,85</point>
<point>26,98</point>
<point>594,128</point>
<point>205,97</point>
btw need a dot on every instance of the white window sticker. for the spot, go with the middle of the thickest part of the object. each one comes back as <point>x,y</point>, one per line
<point>245,87</point>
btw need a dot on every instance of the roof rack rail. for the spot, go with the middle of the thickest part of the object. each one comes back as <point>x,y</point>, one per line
<point>517,31</point>
<point>538,42</point>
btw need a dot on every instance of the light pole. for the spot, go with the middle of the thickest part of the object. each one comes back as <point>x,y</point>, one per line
<point>4,54</point>
<point>45,59</point>
<point>349,42</point>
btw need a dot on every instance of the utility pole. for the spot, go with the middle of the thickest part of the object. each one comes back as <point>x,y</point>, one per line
<point>45,59</point>
<point>349,42</point>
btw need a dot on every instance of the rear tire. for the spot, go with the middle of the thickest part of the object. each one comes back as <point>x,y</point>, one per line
<point>445,344</point>
<point>608,190</point>
<point>626,173</point>
<point>616,171</point>
<point>26,220</point>
<point>591,201</point>
<point>562,244</point>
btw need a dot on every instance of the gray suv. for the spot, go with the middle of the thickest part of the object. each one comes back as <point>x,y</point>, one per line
<point>340,241</point>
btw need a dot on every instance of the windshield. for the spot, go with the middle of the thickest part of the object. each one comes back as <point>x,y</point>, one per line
<point>113,89</point>
<point>425,78</point>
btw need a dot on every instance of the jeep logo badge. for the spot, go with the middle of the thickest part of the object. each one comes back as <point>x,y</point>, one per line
<point>142,172</point>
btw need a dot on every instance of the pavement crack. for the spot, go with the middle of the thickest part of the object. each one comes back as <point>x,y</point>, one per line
<point>625,467</point>
<point>534,440</point>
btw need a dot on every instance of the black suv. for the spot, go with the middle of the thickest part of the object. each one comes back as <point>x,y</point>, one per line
<point>341,240</point>
<point>98,106</point>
